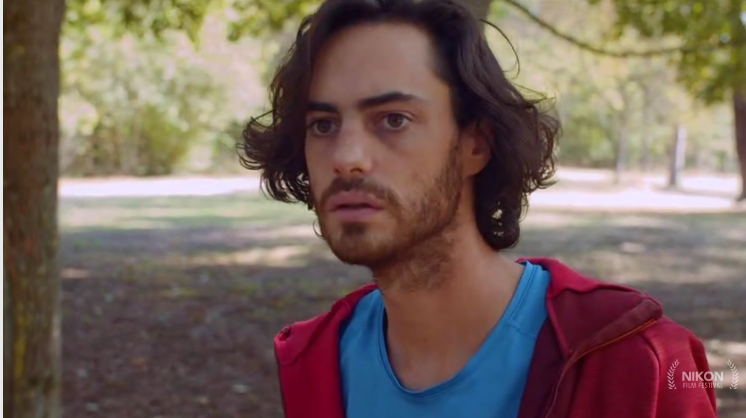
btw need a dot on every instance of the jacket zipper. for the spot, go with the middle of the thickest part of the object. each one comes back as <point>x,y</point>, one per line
<point>574,359</point>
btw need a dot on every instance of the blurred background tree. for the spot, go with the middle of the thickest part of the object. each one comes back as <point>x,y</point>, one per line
<point>711,59</point>
<point>132,107</point>
<point>620,91</point>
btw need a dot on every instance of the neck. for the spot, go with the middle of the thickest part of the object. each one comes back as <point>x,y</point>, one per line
<point>440,307</point>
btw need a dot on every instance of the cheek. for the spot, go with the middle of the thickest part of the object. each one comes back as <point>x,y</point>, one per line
<point>435,174</point>
<point>412,190</point>
<point>314,160</point>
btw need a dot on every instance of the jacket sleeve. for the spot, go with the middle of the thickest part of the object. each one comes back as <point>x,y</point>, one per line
<point>678,351</point>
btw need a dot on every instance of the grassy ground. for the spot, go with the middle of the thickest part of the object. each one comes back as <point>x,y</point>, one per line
<point>170,303</point>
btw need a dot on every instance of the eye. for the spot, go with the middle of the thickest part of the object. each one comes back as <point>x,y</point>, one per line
<point>395,121</point>
<point>321,127</point>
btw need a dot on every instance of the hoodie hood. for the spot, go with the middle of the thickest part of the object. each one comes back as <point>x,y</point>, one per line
<point>613,312</point>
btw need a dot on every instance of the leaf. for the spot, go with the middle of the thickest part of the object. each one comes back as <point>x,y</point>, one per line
<point>714,35</point>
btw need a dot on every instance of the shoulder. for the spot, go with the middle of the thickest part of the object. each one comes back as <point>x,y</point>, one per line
<point>652,348</point>
<point>669,337</point>
<point>670,351</point>
<point>676,348</point>
<point>655,359</point>
<point>665,341</point>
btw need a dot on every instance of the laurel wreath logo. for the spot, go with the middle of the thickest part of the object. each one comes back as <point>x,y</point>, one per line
<point>671,370</point>
<point>734,372</point>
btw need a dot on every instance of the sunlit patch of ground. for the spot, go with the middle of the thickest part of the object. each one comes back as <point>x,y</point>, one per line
<point>171,302</point>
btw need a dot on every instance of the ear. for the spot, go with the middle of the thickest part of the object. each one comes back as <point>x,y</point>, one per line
<point>476,151</point>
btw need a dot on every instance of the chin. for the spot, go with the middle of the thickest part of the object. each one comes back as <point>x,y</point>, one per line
<point>357,246</point>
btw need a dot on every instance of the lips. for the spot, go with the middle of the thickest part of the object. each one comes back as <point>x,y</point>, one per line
<point>353,206</point>
<point>352,201</point>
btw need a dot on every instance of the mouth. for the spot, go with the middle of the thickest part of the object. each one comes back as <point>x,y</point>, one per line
<point>353,207</point>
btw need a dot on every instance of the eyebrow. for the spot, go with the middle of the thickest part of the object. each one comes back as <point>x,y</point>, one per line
<point>368,102</point>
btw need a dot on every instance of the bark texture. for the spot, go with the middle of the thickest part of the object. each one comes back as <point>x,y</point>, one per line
<point>31,84</point>
<point>739,116</point>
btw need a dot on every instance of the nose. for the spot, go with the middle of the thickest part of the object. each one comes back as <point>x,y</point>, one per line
<point>351,154</point>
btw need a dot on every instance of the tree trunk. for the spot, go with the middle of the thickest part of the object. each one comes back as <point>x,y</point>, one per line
<point>480,8</point>
<point>31,83</point>
<point>647,122</point>
<point>621,154</point>
<point>739,116</point>
<point>678,156</point>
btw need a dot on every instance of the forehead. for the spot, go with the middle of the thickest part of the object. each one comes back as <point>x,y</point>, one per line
<point>372,59</point>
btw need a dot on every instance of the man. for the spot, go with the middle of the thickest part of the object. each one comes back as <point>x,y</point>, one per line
<point>394,122</point>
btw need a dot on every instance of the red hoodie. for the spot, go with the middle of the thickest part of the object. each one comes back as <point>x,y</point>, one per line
<point>605,351</point>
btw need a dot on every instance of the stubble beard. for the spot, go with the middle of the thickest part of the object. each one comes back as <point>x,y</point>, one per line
<point>418,241</point>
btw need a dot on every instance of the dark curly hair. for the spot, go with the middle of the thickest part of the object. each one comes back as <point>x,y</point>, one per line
<point>520,132</point>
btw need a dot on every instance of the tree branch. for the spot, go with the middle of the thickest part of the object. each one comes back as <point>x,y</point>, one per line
<point>603,51</point>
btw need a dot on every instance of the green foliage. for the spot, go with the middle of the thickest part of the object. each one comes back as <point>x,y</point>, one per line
<point>712,60</point>
<point>132,106</point>
<point>251,18</point>
<point>139,99</point>
<point>145,18</point>
<point>141,18</point>
<point>224,152</point>
<point>602,100</point>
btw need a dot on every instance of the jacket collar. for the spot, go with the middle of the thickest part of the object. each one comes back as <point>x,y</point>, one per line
<point>584,313</point>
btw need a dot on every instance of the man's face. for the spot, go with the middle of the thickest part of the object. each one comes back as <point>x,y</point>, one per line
<point>382,145</point>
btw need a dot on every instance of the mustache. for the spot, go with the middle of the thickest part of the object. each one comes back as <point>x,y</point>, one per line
<point>359,184</point>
